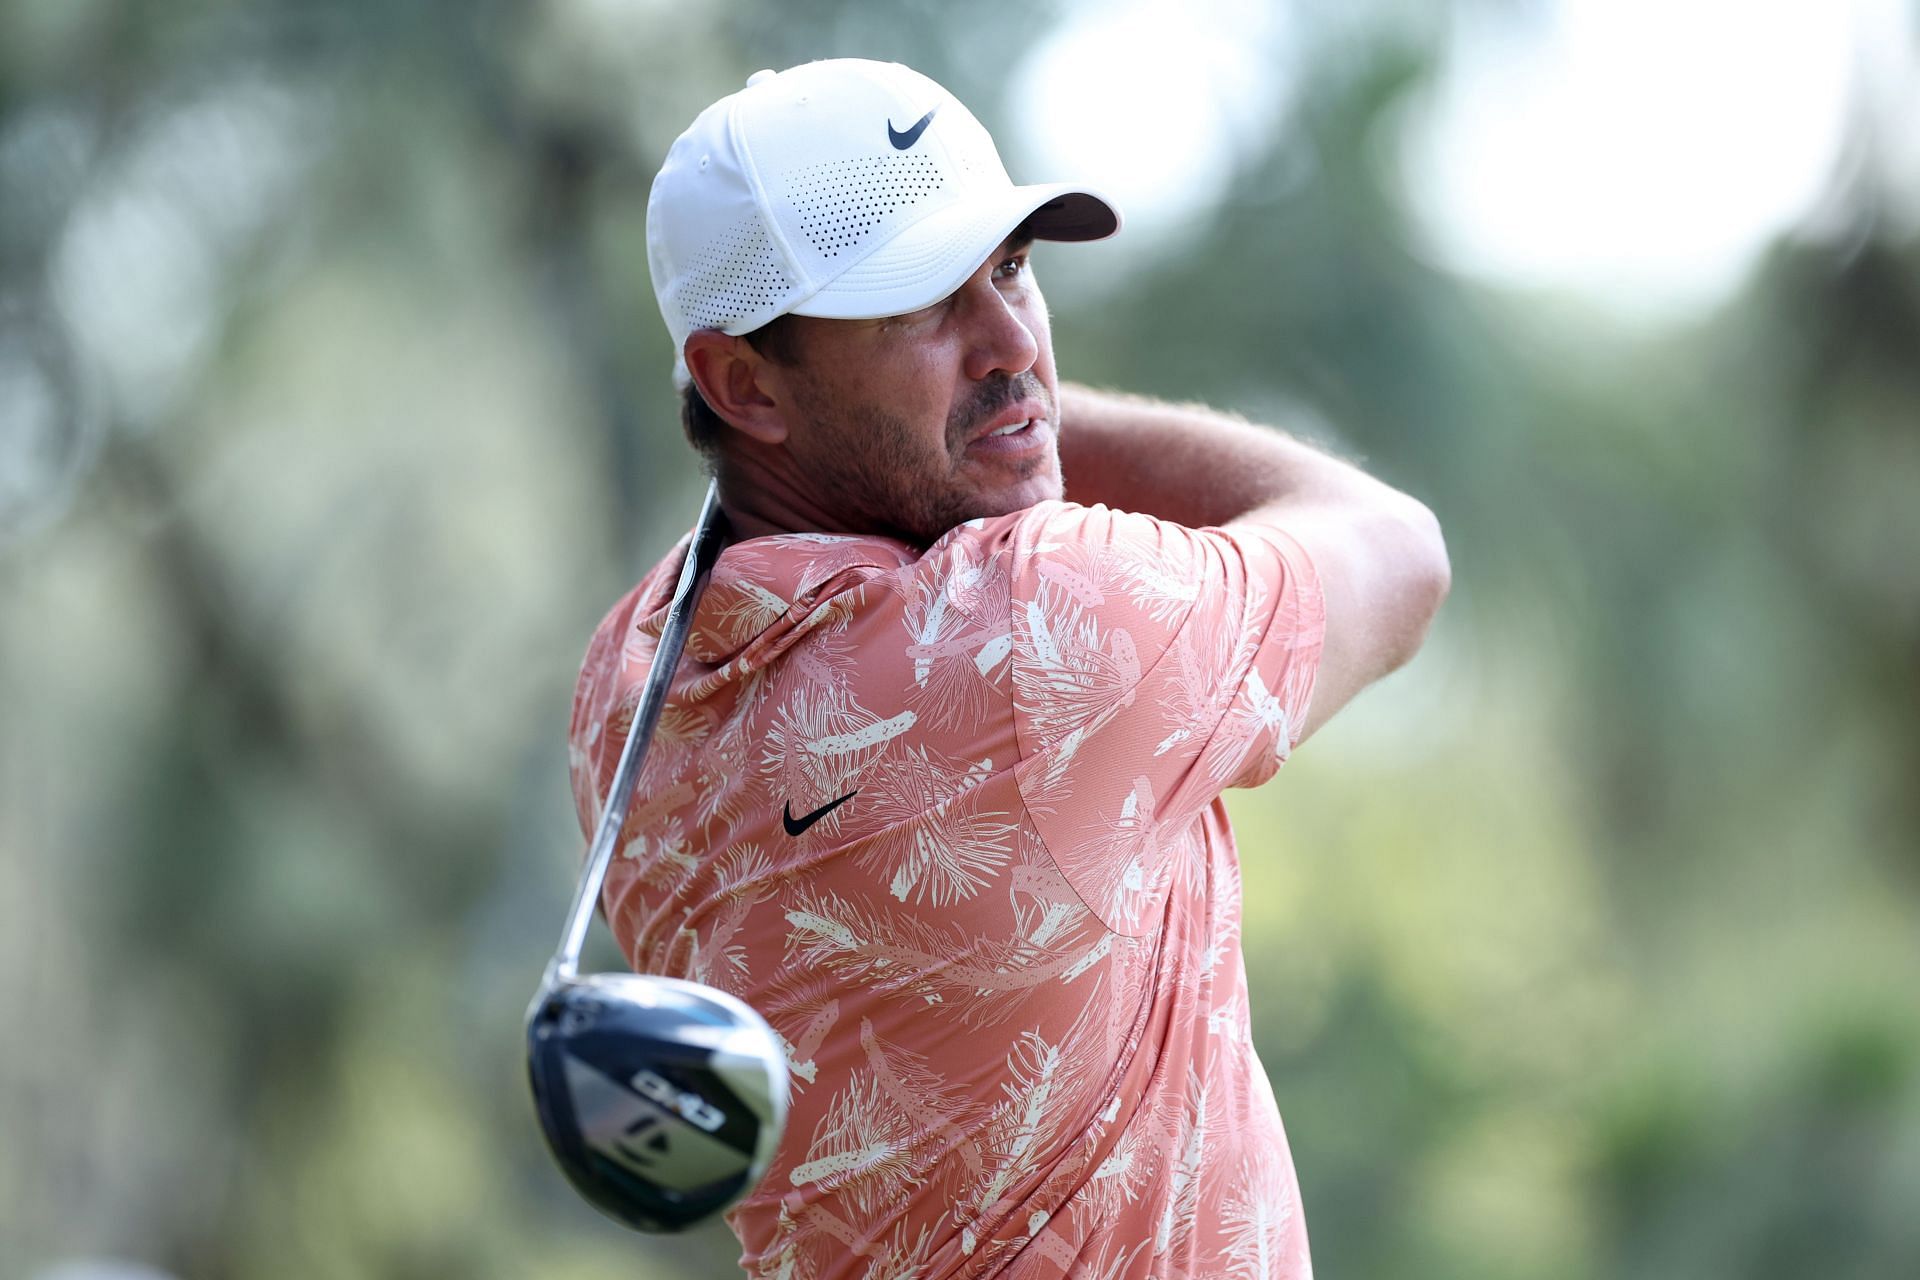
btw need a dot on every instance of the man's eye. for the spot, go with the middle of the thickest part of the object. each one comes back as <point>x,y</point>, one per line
<point>1012,267</point>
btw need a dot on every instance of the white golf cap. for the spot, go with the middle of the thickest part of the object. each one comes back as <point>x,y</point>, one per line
<point>847,189</point>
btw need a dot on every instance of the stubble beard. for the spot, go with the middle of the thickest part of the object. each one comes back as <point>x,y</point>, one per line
<point>885,479</point>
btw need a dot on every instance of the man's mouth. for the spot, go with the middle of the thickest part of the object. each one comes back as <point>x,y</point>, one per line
<point>1022,438</point>
<point>1014,418</point>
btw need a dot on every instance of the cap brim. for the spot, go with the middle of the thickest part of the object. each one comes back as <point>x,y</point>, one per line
<point>933,257</point>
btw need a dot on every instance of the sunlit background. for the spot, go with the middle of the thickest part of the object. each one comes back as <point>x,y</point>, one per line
<point>334,411</point>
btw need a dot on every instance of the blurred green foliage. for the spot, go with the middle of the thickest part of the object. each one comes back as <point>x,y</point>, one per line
<point>1585,947</point>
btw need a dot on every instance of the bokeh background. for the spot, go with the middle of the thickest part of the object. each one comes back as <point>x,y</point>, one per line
<point>334,411</point>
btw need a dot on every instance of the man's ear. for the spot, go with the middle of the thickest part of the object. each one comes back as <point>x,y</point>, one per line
<point>731,378</point>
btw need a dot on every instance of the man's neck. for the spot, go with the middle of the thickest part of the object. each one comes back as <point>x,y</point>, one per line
<point>759,503</point>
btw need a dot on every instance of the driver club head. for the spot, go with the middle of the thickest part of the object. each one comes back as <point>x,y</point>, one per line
<point>662,1100</point>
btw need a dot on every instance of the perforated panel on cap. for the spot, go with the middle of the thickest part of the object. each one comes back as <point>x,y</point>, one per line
<point>841,201</point>
<point>735,276</point>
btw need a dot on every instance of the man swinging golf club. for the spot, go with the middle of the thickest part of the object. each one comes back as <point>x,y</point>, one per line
<point>936,787</point>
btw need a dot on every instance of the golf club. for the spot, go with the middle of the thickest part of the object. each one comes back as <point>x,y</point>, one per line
<point>662,1100</point>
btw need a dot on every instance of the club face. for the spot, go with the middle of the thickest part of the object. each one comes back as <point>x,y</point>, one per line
<point>661,1100</point>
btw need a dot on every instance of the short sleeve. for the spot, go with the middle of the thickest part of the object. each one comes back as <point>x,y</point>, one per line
<point>1153,666</point>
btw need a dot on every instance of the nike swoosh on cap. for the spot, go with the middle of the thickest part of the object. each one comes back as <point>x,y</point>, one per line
<point>907,139</point>
<point>795,825</point>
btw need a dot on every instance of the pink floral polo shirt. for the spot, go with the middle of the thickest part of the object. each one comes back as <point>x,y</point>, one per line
<point>950,820</point>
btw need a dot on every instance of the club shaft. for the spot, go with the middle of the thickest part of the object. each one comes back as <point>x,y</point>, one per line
<point>702,551</point>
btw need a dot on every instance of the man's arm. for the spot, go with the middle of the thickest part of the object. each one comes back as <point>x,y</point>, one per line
<point>1381,559</point>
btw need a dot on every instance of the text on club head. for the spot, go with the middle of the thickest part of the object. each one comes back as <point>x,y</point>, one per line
<point>691,1107</point>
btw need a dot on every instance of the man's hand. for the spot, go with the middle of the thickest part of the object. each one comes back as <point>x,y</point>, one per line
<point>1382,562</point>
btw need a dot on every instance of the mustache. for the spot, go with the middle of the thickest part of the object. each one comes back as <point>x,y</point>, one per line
<point>989,398</point>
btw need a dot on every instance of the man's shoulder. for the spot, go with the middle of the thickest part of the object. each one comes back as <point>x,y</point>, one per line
<point>1082,551</point>
<point>799,566</point>
<point>1051,528</point>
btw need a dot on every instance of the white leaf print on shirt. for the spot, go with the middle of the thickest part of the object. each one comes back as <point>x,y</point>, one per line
<point>862,1149</point>
<point>952,685</point>
<point>719,957</point>
<point>1196,689</point>
<point>928,623</point>
<point>1121,1178</point>
<point>718,960</point>
<point>873,734</point>
<point>1126,860</point>
<point>1183,1178</point>
<point>1228,1020</point>
<point>1254,712</point>
<point>1257,1214</point>
<point>742,609</point>
<point>727,760</point>
<point>994,652</point>
<point>903,1258</point>
<point>1070,676</point>
<point>803,1008</point>
<point>1257,715</point>
<point>939,846</point>
<point>818,742</point>
<point>1045,1091</point>
<point>1156,590</point>
<point>946,1121</point>
<point>939,965</point>
<point>1044,904</point>
<point>1108,1257</point>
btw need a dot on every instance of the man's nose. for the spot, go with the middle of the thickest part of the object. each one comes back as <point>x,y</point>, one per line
<point>1002,339</point>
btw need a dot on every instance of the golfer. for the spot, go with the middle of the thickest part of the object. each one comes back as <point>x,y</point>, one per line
<point>937,789</point>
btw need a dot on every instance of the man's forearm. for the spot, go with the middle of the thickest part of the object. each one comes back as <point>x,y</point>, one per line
<point>1188,464</point>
